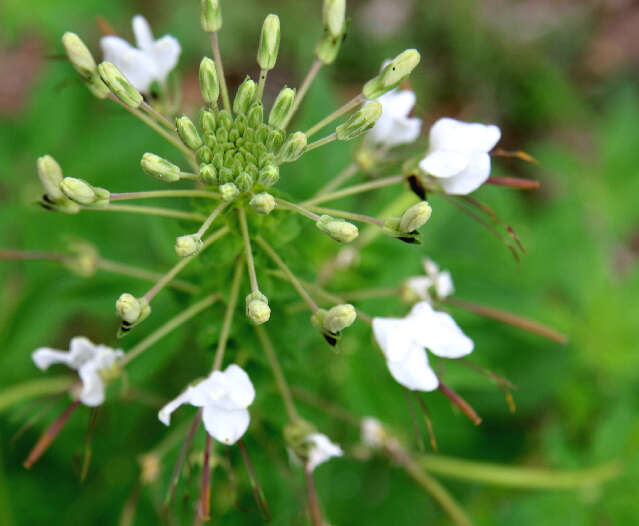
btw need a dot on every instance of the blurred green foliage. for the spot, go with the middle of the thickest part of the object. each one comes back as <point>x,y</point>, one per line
<point>577,404</point>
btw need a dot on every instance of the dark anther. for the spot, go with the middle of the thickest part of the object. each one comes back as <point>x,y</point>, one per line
<point>417,186</point>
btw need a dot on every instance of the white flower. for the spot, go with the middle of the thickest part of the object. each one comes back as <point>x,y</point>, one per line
<point>404,342</point>
<point>395,127</point>
<point>439,281</point>
<point>224,397</point>
<point>321,450</point>
<point>458,154</point>
<point>150,61</point>
<point>86,358</point>
<point>373,434</point>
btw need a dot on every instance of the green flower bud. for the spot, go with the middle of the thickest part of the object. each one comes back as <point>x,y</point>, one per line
<point>396,72</point>
<point>281,107</point>
<point>211,15</point>
<point>334,15</point>
<point>255,116</point>
<point>263,203</point>
<point>208,173</point>
<point>159,168</point>
<point>188,132</point>
<point>225,175</point>
<point>244,182</point>
<point>131,311</point>
<point>244,97</point>
<point>83,193</point>
<point>257,309</point>
<point>338,229</point>
<point>269,175</point>
<point>97,87</point>
<point>293,148</point>
<point>224,120</point>
<point>204,155</point>
<point>228,192</point>
<point>359,122</point>
<point>119,85</point>
<point>208,122</point>
<point>79,55</point>
<point>339,318</point>
<point>188,245</point>
<point>269,42</point>
<point>50,175</point>
<point>415,217</point>
<point>84,259</point>
<point>392,228</point>
<point>209,85</point>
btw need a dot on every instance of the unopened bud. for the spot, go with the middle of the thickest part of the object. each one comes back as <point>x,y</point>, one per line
<point>188,245</point>
<point>50,175</point>
<point>257,309</point>
<point>208,122</point>
<point>269,175</point>
<point>415,217</point>
<point>209,84</point>
<point>269,42</point>
<point>160,168</point>
<point>293,148</point>
<point>281,107</point>
<point>244,182</point>
<point>188,132</point>
<point>83,193</point>
<point>334,16</point>
<point>119,85</point>
<point>244,97</point>
<point>263,203</point>
<point>255,115</point>
<point>395,72</point>
<point>208,173</point>
<point>339,318</point>
<point>131,311</point>
<point>79,55</point>
<point>211,15</point>
<point>228,192</point>
<point>359,122</point>
<point>84,259</point>
<point>338,229</point>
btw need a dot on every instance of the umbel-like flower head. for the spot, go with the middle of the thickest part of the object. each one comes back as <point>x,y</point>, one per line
<point>458,155</point>
<point>404,342</point>
<point>96,366</point>
<point>224,398</point>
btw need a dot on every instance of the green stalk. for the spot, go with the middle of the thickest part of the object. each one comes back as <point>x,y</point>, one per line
<point>350,105</point>
<point>217,57</point>
<point>149,210</point>
<point>353,190</point>
<point>228,316</point>
<point>301,93</point>
<point>125,196</point>
<point>248,253</point>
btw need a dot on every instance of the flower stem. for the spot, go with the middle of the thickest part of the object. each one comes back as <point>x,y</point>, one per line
<point>313,501</point>
<point>163,193</point>
<point>149,210</point>
<point>209,220</point>
<point>514,182</point>
<point>261,85</point>
<point>289,275</point>
<point>215,45</point>
<point>369,294</point>
<point>357,189</point>
<point>159,117</point>
<point>280,379</point>
<point>32,389</point>
<point>349,215</point>
<point>287,205</point>
<point>205,494</point>
<point>321,142</point>
<point>306,84</point>
<point>169,326</point>
<point>228,316</point>
<point>248,253</point>
<point>340,179</point>
<point>350,105</point>
<point>459,402</point>
<point>33,255</point>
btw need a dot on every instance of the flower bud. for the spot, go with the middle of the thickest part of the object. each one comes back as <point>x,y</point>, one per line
<point>119,85</point>
<point>359,122</point>
<point>392,228</point>
<point>131,311</point>
<point>228,192</point>
<point>188,245</point>
<point>188,132</point>
<point>339,318</point>
<point>79,55</point>
<point>395,72</point>
<point>263,203</point>
<point>257,309</point>
<point>224,120</point>
<point>208,122</point>
<point>334,16</point>
<point>281,107</point>
<point>415,217</point>
<point>244,182</point>
<point>244,97</point>
<point>269,42</point>
<point>83,193</point>
<point>97,87</point>
<point>209,85</point>
<point>50,175</point>
<point>338,229</point>
<point>208,173</point>
<point>293,148</point>
<point>269,175</point>
<point>211,15</point>
<point>255,116</point>
<point>159,168</point>
<point>84,259</point>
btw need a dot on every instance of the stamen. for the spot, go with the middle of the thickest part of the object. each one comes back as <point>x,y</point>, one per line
<point>87,444</point>
<point>413,418</point>
<point>258,493</point>
<point>514,182</point>
<point>427,421</point>
<point>519,154</point>
<point>205,493</point>
<point>459,402</point>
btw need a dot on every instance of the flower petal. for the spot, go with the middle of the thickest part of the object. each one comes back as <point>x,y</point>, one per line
<point>142,32</point>
<point>444,284</point>
<point>467,181</point>
<point>413,371</point>
<point>444,163</point>
<point>420,285</point>
<point>136,65</point>
<point>404,131</point>
<point>393,336</point>
<point>164,415</point>
<point>322,449</point>
<point>93,388</point>
<point>438,332</point>
<point>444,134</point>
<point>165,54</point>
<point>225,426</point>
<point>241,390</point>
<point>45,357</point>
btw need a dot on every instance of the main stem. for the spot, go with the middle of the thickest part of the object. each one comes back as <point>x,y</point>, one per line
<point>248,253</point>
<point>215,45</point>
<point>299,97</point>
<point>350,105</point>
<point>228,316</point>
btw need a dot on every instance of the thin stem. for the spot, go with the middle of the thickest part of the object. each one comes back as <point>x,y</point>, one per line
<point>371,294</point>
<point>460,403</point>
<point>340,179</point>
<point>357,189</point>
<point>248,253</point>
<point>514,182</point>
<point>209,220</point>
<point>313,501</point>
<point>215,45</point>
<point>280,379</point>
<point>349,215</point>
<point>350,105</point>
<point>228,316</point>
<point>289,275</point>
<point>301,93</point>
<point>287,205</point>
<point>159,117</point>
<point>168,327</point>
<point>189,175</point>
<point>168,277</point>
<point>321,142</point>
<point>33,255</point>
<point>149,210</point>
<point>32,389</point>
<point>125,196</point>
<point>261,85</point>
<point>205,495</point>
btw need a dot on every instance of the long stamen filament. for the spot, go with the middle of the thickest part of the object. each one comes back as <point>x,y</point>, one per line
<point>228,316</point>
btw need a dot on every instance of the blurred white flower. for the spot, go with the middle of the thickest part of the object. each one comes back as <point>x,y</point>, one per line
<point>436,281</point>
<point>152,60</point>
<point>395,127</point>
<point>458,155</point>
<point>91,361</point>
<point>224,397</point>
<point>373,434</point>
<point>404,342</point>
<point>321,450</point>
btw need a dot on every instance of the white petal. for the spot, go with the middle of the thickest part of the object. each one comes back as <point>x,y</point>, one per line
<point>398,103</point>
<point>393,336</point>
<point>414,371</point>
<point>420,285</point>
<point>490,136</point>
<point>165,54</point>
<point>142,32</point>
<point>83,350</point>
<point>444,134</point>
<point>444,163</point>
<point>225,426</point>
<point>45,357</point>
<point>438,332</point>
<point>467,181</point>
<point>404,131</point>
<point>135,65</point>
<point>164,414</point>
<point>241,390</point>
<point>322,449</point>
<point>444,285</point>
<point>93,389</point>
<point>430,267</point>
<point>463,137</point>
